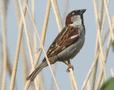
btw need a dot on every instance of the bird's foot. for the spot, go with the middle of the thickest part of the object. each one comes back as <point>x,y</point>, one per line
<point>70,67</point>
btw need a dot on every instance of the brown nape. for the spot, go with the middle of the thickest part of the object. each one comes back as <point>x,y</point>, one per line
<point>68,21</point>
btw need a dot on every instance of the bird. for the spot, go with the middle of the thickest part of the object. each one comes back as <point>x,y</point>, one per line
<point>67,44</point>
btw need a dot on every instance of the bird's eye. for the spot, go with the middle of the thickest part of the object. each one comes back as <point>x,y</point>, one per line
<point>73,13</point>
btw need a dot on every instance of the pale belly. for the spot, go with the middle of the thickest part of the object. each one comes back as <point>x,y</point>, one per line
<point>71,51</point>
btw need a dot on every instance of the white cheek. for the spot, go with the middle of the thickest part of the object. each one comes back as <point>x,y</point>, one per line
<point>76,17</point>
<point>76,20</point>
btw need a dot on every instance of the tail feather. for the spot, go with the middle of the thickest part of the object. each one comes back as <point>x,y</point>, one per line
<point>32,76</point>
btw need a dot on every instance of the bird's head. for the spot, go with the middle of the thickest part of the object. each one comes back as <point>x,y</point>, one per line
<point>75,18</point>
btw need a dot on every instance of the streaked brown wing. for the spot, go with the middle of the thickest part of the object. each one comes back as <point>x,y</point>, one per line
<point>66,38</point>
<point>53,46</point>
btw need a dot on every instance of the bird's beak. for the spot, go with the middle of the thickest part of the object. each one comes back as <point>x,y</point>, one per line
<point>82,11</point>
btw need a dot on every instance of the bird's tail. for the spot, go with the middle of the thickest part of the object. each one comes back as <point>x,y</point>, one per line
<point>32,76</point>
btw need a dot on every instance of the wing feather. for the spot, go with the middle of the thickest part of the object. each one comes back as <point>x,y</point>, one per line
<point>67,37</point>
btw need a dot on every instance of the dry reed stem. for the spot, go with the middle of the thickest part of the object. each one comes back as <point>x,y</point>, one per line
<point>35,44</point>
<point>112,72</point>
<point>44,30</point>
<point>94,65</point>
<point>57,14</point>
<point>113,23</point>
<point>101,50</point>
<point>99,40</point>
<point>65,9</point>
<point>16,60</point>
<point>27,85</point>
<point>94,74</point>
<point>37,55</point>
<point>33,9</point>
<point>17,50</point>
<point>34,25</point>
<point>96,57</point>
<point>52,82</point>
<point>24,63</point>
<point>27,37</point>
<point>73,80</point>
<point>101,27</point>
<point>4,39</point>
<point>88,86</point>
<point>109,20</point>
<point>85,82</point>
<point>95,61</point>
<point>21,28</point>
<point>106,56</point>
<point>3,14</point>
<point>9,69</point>
<point>109,43</point>
<point>50,69</point>
<point>41,83</point>
<point>106,34</point>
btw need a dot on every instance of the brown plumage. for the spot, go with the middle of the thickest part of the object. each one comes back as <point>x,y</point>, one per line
<point>67,44</point>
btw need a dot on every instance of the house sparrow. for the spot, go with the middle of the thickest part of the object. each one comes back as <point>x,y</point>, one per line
<point>67,44</point>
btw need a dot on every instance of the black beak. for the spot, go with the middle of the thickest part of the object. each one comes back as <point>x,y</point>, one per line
<point>82,11</point>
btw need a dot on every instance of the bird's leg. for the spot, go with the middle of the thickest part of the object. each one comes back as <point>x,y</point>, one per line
<point>69,65</point>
